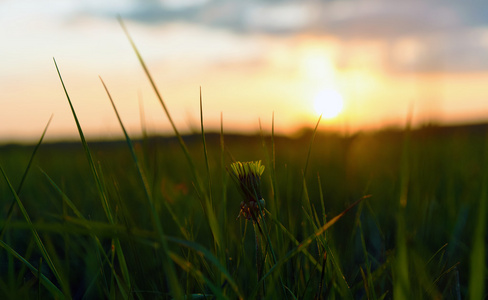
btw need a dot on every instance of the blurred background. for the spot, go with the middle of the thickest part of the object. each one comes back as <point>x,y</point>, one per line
<point>362,64</point>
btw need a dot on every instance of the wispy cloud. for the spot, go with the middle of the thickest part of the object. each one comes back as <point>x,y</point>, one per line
<point>443,35</point>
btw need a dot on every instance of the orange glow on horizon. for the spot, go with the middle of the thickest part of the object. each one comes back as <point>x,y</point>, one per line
<point>275,74</point>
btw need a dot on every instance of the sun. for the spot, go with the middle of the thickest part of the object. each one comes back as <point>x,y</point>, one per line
<point>328,103</point>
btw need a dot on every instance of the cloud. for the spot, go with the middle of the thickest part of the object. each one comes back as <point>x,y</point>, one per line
<point>439,35</point>
<point>349,17</point>
<point>387,19</point>
<point>449,36</point>
<point>462,50</point>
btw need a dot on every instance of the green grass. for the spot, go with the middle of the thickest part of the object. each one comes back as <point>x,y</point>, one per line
<point>358,256</point>
<point>392,214</point>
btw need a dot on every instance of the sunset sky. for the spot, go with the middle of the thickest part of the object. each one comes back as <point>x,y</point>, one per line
<point>251,58</point>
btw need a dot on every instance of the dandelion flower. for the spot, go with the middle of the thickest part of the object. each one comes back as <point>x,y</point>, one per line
<point>248,177</point>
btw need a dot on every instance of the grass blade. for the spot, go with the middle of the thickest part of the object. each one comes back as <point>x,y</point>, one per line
<point>100,188</point>
<point>272,173</point>
<point>401,287</point>
<point>292,238</point>
<point>477,274</point>
<point>303,187</point>
<point>310,149</point>
<point>224,176</point>
<point>37,238</point>
<point>163,104</point>
<point>205,148</point>
<point>96,176</point>
<point>43,279</point>
<point>24,176</point>
<point>63,196</point>
<point>212,219</point>
<point>306,242</point>
<point>204,252</point>
<point>190,268</point>
<point>169,267</point>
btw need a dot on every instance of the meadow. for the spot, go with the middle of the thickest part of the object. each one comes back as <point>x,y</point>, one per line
<point>102,240</point>
<point>392,214</point>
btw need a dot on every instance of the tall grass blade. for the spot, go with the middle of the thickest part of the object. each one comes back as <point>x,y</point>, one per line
<point>365,283</point>
<point>265,232</point>
<point>212,219</point>
<point>168,115</point>
<point>207,254</point>
<point>307,161</point>
<point>98,182</point>
<point>344,287</point>
<point>209,181</point>
<point>197,274</point>
<point>24,176</point>
<point>441,249</point>
<point>306,242</point>
<point>291,293</point>
<point>223,169</point>
<point>142,116</point>
<point>293,239</point>
<point>307,207</point>
<point>322,276</point>
<point>367,277</point>
<point>63,196</point>
<point>322,201</point>
<point>90,228</point>
<point>100,186</point>
<point>37,238</point>
<point>43,279</point>
<point>82,221</point>
<point>169,266</point>
<point>28,254</point>
<point>401,286</point>
<point>140,171</point>
<point>273,163</point>
<point>478,263</point>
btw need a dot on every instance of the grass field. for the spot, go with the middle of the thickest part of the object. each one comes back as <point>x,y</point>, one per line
<point>392,214</point>
<point>380,249</point>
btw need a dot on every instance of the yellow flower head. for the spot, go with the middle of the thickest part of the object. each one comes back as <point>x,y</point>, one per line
<point>246,169</point>
<point>248,176</point>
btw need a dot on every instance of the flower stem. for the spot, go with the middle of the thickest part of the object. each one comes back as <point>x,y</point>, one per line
<point>259,257</point>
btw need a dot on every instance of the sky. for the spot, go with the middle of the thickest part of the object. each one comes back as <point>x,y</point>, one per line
<point>252,60</point>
